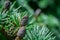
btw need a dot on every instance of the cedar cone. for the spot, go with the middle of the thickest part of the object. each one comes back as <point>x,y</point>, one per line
<point>24,21</point>
<point>21,33</point>
<point>37,12</point>
<point>6,5</point>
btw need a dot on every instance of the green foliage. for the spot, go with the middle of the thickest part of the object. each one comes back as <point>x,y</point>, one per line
<point>2,37</point>
<point>38,33</point>
<point>45,3</point>
<point>50,17</point>
<point>49,20</point>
